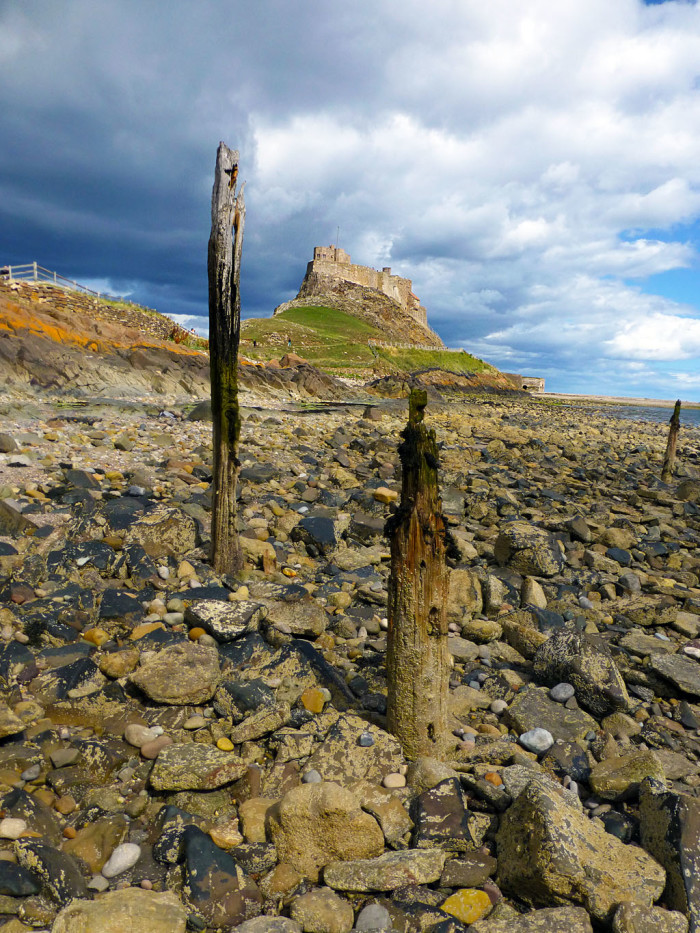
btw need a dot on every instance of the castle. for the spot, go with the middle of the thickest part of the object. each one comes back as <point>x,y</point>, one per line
<point>334,265</point>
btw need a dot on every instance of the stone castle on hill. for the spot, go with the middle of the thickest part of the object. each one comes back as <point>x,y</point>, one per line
<point>335,265</point>
<point>381,299</point>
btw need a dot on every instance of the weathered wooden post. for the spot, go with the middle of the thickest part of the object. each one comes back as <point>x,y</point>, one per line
<point>224,268</point>
<point>670,456</point>
<point>418,664</point>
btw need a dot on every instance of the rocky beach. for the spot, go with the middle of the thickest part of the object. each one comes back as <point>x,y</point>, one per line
<point>184,751</point>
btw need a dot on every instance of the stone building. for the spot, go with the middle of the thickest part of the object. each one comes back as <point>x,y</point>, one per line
<point>332,264</point>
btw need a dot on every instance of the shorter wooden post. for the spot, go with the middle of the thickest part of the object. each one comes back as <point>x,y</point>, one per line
<point>670,456</point>
<point>417,663</point>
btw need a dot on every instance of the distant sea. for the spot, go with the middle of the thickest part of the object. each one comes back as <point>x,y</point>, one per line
<point>689,416</point>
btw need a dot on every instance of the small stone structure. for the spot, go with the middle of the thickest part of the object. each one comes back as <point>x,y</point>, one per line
<point>532,384</point>
<point>334,264</point>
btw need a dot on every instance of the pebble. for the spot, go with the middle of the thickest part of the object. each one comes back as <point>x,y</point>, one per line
<point>124,857</point>
<point>31,773</point>
<point>311,777</point>
<point>366,740</point>
<point>12,828</point>
<point>498,707</point>
<point>562,692</point>
<point>138,735</point>
<point>536,740</point>
<point>394,780</point>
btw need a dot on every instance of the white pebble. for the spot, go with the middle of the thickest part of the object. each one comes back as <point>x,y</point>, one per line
<point>124,857</point>
<point>394,780</point>
<point>537,740</point>
<point>498,707</point>
<point>12,827</point>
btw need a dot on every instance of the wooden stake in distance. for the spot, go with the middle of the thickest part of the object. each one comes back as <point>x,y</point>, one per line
<point>670,456</point>
<point>418,666</point>
<point>224,268</point>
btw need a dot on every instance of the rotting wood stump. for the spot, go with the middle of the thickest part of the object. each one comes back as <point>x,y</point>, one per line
<point>224,268</point>
<point>418,665</point>
<point>670,456</point>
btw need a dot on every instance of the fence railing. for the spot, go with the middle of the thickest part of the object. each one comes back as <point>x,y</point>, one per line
<point>33,272</point>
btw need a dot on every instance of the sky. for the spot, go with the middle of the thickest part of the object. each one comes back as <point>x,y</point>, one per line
<point>532,165</point>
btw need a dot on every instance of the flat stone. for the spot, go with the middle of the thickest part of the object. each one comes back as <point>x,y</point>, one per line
<point>195,767</point>
<point>386,872</point>
<point>198,675</point>
<point>683,672</point>
<point>548,920</point>
<point>619,777</point>
<point>226,621</point>
<point>126,909</point>
<point>532,708</point>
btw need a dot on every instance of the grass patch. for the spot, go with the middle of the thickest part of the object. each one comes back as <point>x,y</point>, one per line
<point>336,341</point>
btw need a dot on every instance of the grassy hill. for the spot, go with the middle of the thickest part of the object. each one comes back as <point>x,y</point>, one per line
<point>338,342</point>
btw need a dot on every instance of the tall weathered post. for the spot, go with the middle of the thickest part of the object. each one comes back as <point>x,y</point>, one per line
<point>417,654</point>
<point>224,268</point>
<point>670,456</point>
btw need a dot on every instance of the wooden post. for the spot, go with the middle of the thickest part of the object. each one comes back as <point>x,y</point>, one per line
<point>670,456</point>
<point>418,665</point>
<point>224,267</point>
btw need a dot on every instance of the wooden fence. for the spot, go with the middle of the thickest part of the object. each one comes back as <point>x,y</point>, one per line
<point>33,272</point>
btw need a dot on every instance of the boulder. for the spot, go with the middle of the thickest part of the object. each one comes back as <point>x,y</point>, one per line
<point>164,532</point>
<point>464,598</point>
<point>315,824</point>
<point>529,550</point>
<point>670,831</point>
<point>127,909</point>
<point>197,669</point>
<point>619,777</point>
<point>550,854</point>
<point>569,656</point>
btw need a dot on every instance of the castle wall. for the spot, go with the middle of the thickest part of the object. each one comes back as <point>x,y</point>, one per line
<point>326,265</point>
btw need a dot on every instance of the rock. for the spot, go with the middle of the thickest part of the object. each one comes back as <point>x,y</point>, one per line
<point>9,723</point>
<point>424,773</point>
<point>261,723</point>
<point>548,920</point>
<point>197,678</point>
<point>164,532</point>
<point>225,621</point>
<point>619,777</point>
<point>468,905</point>
<point>386,872</point>
<point>683,672</point>
<point>214,885</point>
<point>532,594</point>
<point>58,871</point>
<point>124,857</point>
<point>342,759</point>
<point>12,827</point>
<point>13,523</point>
<point>373,917</point>
<point>322,911</point>
<point>16,881</point>
<point>536,740</point>
<point>126,909</point>
<point>304,618</point>
<point>570,656</point>
<point>269,925</point>
<point>464,597</point>
<point>195,767</point>
<point>528,549</point>
<point>96,842</point>
<point>565,856</point>
<point>532,708</point>
<point>670,831</point>
<point>315,824</point>
<point>633,918</point>
<point>317,532</point>
<point>470,871</point>
<point>442,819</point>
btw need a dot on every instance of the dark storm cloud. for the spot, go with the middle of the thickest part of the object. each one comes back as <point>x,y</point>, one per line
<point>524,166</point>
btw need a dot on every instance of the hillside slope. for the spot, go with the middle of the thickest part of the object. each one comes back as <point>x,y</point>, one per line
<point>368,305</point>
